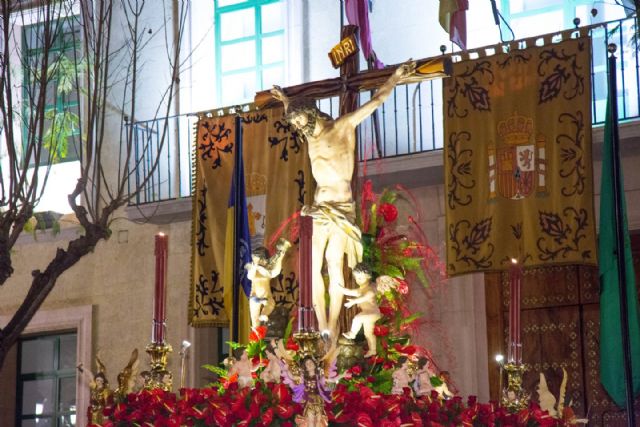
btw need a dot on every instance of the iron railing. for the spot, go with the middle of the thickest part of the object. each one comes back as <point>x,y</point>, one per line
<point>170,178</point>
<point>409,122</point>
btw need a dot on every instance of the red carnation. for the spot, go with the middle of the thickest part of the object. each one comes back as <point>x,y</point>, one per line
<point>389,212</point>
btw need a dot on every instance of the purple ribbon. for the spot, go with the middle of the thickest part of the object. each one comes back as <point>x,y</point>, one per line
<point>358,14</point>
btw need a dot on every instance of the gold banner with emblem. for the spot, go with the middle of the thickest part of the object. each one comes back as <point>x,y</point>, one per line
<point>518,168</point>
<point>277,182</point>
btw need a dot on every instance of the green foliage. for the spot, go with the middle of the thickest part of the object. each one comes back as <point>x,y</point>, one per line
<point>64,124</point>
<point>218,370</point>
<point>288,330</point>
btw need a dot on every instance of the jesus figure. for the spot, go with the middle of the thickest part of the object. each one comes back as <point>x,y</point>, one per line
<point>332,154</point>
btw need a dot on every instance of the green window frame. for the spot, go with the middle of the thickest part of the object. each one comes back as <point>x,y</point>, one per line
<point>51,376</point>
<point>64,43</point>
<point>257,65</point>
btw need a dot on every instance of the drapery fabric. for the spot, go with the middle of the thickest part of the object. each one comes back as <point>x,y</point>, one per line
<point>452,15</point>
<point>277,184</point>
<point>357,12</point>
<point>518,168</point>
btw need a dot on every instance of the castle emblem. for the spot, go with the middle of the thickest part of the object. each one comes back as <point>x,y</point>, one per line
<point>517,165</point>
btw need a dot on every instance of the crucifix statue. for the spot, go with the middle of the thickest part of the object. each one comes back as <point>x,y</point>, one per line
<point>332,151</point>
<point>332,144</point>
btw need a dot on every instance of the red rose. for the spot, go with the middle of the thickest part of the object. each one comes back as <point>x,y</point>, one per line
<point>380,331</point>
<point>387,311</point>
<point>403,286</point>
<point>355,370</point>
<point>389,212</point>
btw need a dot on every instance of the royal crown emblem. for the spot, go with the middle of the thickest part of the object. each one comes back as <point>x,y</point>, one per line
<point>517,163</point>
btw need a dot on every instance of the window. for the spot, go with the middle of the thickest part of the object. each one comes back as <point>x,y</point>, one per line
<point>61,102</point>
<point>47,381</point>
<point>249,47</point>
<point>535,17</point>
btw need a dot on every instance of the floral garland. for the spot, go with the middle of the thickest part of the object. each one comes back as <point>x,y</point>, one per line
<point>272,405</point>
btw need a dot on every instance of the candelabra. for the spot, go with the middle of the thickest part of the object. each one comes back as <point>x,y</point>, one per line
<point>514,396</point>
<point>158,376</point>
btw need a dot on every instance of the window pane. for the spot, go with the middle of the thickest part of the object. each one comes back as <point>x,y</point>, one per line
<point>238,88</point>
<point>538,24</point>
<point>67,352</point>
<point>273,17</point>
<point>272,76</point>
<point>67,394</point>
<point>234,25</point>
<point>529,5</point>
<point>272,49</point>
<point>68,420</point>
<point>38,422</point>
<point>238,55</point>
<point>37,356</point>
<point>222,3</point>
<point>37,397</point>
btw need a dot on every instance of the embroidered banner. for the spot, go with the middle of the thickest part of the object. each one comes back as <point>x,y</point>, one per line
<point>277,182</point>
<point>518,168</point>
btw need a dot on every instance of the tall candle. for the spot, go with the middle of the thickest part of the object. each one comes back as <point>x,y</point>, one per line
<point>306,316</point>
<point>160,290</point>
<point>515,285</point>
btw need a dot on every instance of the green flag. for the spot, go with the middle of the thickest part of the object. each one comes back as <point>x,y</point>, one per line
<point>611,351</point>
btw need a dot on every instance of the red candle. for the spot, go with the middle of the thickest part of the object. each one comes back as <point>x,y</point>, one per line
<point>515,285</point>
<point>159,296</point>
<point>306,316</point>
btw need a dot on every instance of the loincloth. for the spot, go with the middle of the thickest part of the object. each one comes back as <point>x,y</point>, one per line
<point>339,217</point>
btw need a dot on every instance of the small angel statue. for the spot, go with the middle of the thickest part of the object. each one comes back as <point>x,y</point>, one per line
<point>422,384</point>
<point>365,298</point>
<point>100,392</point>
<point>260,271</point>
<point>126,378</point>
<point>243,368</point>
<point>401,376</point>
<point>272,371</point>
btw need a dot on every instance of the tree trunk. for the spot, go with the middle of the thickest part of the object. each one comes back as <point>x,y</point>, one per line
<point>43,283</point>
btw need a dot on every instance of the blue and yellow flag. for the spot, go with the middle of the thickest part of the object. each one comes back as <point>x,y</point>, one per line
<point>241,245</point>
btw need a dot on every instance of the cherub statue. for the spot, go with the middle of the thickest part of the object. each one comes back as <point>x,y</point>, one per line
<point>272,371</point>
<point>401,376</point>
<point>126,378</point>
<point>332,154</point>
<point>100,392</point>
<point>260,271</point>
<point>422,385</point>
<point>443,388</point>
<point>242,368</point>
<point>365,297</point>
